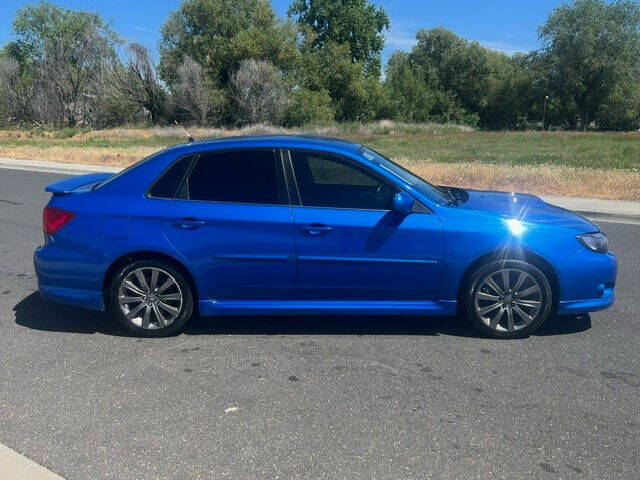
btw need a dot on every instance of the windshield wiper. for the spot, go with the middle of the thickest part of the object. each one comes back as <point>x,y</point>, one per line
<point>453,200</point>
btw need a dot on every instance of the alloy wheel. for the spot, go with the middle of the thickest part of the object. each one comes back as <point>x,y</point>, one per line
<point>150,298</point>
<point>508,300</point>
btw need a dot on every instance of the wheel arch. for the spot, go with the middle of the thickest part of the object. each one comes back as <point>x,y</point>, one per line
<point>138,255</point>
<point>512,254</point>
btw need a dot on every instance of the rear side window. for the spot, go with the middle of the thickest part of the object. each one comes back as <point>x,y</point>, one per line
<point>243,176</point>
<point>168,183</point>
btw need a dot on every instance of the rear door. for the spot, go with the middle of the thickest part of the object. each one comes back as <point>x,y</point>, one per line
<point>350,245</point>
<point>232,221</point>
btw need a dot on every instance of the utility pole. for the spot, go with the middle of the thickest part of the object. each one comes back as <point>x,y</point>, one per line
<point>544,110</point>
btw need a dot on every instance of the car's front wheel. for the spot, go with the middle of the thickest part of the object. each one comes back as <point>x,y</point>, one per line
<point>151,298</point>
<point>508,299</point>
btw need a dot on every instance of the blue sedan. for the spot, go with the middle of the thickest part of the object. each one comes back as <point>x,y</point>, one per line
<point>302,225</point>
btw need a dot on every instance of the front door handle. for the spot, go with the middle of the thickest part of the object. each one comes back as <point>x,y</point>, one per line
<point>189,223</point>
<point>316,229</point>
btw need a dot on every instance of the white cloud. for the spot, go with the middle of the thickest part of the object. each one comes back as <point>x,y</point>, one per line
<point>402,40</point>
<point>504,47</point>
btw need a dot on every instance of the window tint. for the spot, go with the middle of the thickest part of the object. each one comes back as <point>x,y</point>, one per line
<point>167,184</point>
<point>248,176</point>
<point>323,171</point>
<point>328,181</point>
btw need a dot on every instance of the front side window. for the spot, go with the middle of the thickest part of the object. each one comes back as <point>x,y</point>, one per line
<point>329,181</point>
<point>241,176</point>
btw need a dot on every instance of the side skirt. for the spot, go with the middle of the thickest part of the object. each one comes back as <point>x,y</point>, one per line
<point>297,307</point>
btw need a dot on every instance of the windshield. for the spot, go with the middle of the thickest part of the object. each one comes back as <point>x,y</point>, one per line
<point>432,192</point>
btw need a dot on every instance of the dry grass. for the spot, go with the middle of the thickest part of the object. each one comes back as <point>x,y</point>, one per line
<point>599,165</point>
<point>540,180</point>
<point>113,157</point>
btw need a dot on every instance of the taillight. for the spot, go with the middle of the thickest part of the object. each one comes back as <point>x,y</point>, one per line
<point>53,219</point>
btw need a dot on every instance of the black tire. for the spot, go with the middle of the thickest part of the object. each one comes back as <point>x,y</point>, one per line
<point>181,287</point>
<point>472,305</point>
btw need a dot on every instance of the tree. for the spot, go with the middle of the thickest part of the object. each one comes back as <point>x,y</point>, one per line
<point>453,64</point>
<point>410,97</point>
<point>259,92</point>
<point>621,111</point>
<point>510,95</point>
<point>139,85</point>
<point>190,92</point>
<point>309,106</point>
<point>64,52</point>
<point>219,34</point>
<point>590,49</point>
<point>17,93</point>
<point>357,23</point>
<point>356,97</point>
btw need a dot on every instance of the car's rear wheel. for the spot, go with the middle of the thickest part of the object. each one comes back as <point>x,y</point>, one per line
<point>151,298</point>
<point>508,299</point>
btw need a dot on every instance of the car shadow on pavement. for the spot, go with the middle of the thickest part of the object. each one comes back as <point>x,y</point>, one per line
<point>36,313</point>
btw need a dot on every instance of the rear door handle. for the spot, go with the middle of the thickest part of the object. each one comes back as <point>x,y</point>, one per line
<point>316,229</point>
<point>189,223</point>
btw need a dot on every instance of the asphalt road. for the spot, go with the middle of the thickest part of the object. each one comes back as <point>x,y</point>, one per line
<point>344,398</point>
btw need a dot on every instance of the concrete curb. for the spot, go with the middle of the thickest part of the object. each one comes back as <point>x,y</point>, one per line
<point>591,207</point>
<point>53,167</point>
<point>595,206</point>
<point>14,466</point>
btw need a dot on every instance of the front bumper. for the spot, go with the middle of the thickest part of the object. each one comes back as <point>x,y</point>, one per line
<point>587,282</point>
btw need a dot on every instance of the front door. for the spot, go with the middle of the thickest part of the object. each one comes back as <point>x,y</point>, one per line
<point>350,245</point>
<point>232,222</point>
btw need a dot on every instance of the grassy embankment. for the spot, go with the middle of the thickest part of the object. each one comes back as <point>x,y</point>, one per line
<point>604,165</point>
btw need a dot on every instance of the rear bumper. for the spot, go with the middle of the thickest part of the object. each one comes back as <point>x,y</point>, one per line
<point>60,282</point>
<point>78,298</point>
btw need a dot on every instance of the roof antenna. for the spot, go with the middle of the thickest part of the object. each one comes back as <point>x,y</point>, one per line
<point>190,139</point>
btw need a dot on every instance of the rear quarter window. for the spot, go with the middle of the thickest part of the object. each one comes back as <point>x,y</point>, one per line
<point>169,181</point>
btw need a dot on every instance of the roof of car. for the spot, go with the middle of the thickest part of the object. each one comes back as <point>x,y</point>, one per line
<point>300,141</point>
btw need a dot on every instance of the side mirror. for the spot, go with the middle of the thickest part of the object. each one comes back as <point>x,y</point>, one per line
<point>402,203</point>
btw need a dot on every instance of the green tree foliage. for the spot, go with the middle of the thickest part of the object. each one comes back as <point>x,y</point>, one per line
<point>309,106</point>
<point>448,79</point>
<point>352,93</point>
<point>452,64</point>
<point>331,71</point>
<point>36,26</point>
<point>510,94</point>
<point>219,34</point>
<point>409,97</point>
<point>320,64</point>
<point>591,54</point>
<point>357,23</point>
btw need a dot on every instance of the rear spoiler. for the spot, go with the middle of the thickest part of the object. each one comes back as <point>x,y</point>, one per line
<point>78,184</point>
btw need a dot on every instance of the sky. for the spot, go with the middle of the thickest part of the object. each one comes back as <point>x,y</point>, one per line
<point>505,25</point>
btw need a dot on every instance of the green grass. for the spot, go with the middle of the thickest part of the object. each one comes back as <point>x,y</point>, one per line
<point>416,143</point>
<point>593,150</point>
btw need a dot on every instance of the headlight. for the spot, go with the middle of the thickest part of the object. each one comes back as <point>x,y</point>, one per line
<point>594,241</point>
